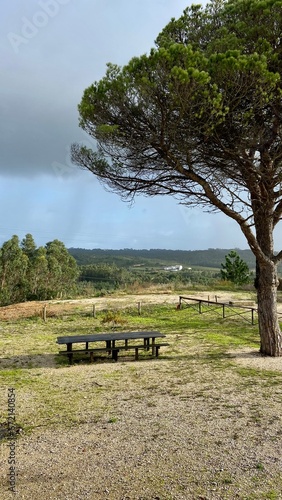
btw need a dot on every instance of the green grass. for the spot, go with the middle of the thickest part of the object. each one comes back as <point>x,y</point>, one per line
<point>31,362</point>
<point>29,344</point>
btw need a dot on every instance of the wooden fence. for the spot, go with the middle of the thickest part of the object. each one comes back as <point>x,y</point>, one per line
<point>223,309</point>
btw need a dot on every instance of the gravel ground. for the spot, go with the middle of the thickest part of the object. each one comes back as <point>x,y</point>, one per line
<point>160,437</point>
<point>158,430</point>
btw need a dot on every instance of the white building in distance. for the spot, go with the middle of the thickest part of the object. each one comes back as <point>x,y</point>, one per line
<point>173,268</point>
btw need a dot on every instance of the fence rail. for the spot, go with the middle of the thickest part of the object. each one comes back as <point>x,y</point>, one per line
<point>224,309</point>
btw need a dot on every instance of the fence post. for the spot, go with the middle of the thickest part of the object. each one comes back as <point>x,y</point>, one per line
<point>139,308</point>
<point>223,310</point>
<point>44,312</point>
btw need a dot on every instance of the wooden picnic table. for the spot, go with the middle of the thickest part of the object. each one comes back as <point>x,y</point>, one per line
<point>113,343</point>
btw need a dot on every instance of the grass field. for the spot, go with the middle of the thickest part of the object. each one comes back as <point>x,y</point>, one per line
<point>215,414</point>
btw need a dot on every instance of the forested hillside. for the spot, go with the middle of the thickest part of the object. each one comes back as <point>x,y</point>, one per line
<point>107,270</point>
<point>212,258</point>
<point>52,271</point>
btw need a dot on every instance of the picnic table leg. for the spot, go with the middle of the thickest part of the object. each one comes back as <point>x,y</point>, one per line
<point>136,353</point>
<point>108,345</point>
<point>146,344</point>
<point>154,351</point>
<point>115,354</point>
<point>70,353</point>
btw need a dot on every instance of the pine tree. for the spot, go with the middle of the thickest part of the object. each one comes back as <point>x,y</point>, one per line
<point>235,269</point>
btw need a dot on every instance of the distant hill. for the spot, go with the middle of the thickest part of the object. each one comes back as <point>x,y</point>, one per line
<point>213,257</point>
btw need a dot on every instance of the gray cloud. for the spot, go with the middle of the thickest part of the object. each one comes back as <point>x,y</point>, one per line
<point>47,60</point>
<point>52,50</point>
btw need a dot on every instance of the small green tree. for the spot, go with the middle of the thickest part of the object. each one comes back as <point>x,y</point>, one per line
<point>235,269</point>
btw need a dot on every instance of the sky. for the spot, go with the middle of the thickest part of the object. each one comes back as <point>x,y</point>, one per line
<point>50,51</point>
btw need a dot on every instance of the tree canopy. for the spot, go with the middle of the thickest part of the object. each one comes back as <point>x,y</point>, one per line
<point>199,118</point>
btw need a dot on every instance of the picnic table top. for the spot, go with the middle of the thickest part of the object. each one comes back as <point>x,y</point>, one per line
<point>97,337</point>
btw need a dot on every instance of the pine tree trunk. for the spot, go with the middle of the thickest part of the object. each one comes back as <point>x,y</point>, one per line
<point>270,334</point>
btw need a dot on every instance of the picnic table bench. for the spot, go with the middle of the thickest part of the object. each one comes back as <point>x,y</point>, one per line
<point>112,343</point>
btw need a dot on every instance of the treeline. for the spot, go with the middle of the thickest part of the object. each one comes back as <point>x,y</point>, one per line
<point>213,257</point>
<point>28,272</point>
<point>102,278</point>
<point>31,273</point>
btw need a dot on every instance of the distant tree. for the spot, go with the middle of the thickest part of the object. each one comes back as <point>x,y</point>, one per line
<point>200,119</point>
<point>62,269</point>
<point>104,275</point>
<point>235,269</point>
<point>13,268</point>
<point>28,246</point>
<point>29,273</point>
<point>38,275</point>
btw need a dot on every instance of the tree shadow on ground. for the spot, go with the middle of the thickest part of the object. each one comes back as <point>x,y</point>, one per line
<point>31,361</point>
<point>54,360</point>
<point>28,361</point>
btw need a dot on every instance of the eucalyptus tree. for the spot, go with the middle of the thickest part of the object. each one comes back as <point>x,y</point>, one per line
<point>62,269</point>
<point>38,274</point>
<point>28,273</point>
<point>13,270</point>
<point>28,246</point>
<point>199,119</point>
